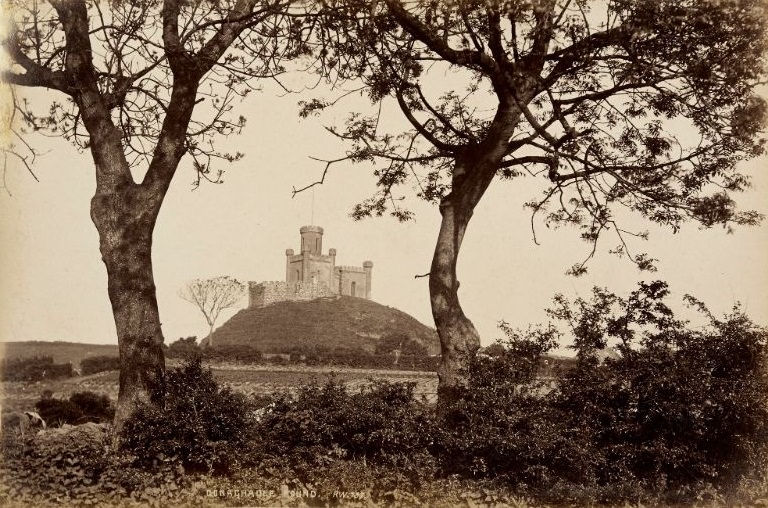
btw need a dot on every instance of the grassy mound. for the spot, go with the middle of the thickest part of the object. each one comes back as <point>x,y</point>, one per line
<point>344,322</point>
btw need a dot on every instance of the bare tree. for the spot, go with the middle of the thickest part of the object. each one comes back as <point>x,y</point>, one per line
<point>590,98</point>
<point>212,296</point>
<point>140,85</point>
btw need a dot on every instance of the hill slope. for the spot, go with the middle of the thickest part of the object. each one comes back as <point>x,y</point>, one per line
<point>331,322</point>
<point>62,352</point>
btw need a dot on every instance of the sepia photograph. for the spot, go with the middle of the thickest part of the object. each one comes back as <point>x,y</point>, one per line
<point>320,253</point>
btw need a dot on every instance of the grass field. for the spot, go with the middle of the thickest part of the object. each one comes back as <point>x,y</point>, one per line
<point>251,380</point>
<point>61,352</point>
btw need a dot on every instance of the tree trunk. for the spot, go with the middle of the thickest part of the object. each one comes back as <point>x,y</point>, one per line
<point>125,224</point>
<point>459,339</point>
<point>474,171</point>
<point>210,335</point>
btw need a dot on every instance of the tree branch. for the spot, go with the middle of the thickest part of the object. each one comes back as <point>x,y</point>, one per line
<point>439,46</point>
<point>322,178</point>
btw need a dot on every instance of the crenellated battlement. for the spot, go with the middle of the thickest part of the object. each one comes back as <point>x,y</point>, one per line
<point>346,268</point>
<point>310,274</point>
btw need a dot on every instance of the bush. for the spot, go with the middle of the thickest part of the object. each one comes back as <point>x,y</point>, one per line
<point>360,358</point>
<point>683,409</point>
<point>96,364</point>
<point>77,467</point>
<point>382,423</point>
<point>57,412</point>
<point>36,368</point>
<point>81,407</point>
<point>95,407</point>
<point>504,427</point>
<point>202,425</point>
<point>401,342</point>
<point>678,409</point>
<point>183,348</point>
<point>240,353</point>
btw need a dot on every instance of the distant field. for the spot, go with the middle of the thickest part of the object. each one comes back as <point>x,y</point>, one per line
<point>62,352</point>
<point>251,380</point>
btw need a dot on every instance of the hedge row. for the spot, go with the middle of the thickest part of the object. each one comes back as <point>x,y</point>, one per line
<point>36,368</point>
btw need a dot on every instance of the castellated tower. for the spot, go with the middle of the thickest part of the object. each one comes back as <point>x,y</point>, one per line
<point>311,274</point>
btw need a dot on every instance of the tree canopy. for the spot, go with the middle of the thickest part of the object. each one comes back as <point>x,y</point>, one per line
<point>645,106</point>
<point>127,57</point>
<point>140,84</point>
<point>211,296</point>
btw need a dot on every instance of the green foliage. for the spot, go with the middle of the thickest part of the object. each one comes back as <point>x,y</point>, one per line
<point>503,426</point>
<point>681,406</point>
<point>679,409</point>
<point>346,322</point>
<point>80,408</point>
<point>183,348</point>
<point>78,467</point>
<point>401,342</point>
<point>35,368</point>
<point>96,364</point>
<point>381,423</point>
<point>202,425</point>
<point>240,353</point>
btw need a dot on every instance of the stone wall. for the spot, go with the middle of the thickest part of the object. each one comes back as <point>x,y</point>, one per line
<point>352,281</point>
<point>266,293</point>
<point>309,291</point>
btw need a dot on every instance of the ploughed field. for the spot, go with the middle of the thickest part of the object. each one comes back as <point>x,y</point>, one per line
<point>247,379</point>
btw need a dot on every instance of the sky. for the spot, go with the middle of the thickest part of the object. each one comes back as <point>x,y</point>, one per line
<point>53,285</point>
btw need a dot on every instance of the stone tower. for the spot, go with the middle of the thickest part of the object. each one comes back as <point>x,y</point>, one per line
<point>312,274</point>
<point>310,266</point>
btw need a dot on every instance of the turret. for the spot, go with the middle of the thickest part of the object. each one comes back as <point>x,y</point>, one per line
<point>288,256</point>
<point>332,271</point>
<point>312,240</point>
<point>368,267</point>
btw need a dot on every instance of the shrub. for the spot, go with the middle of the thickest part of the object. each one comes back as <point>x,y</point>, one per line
<point>202,425</point>
<point>57,412</point>
<point>36,368</point>
<point>381,423</point>
<point>241,353</point>
<point>183,348</point>
<point>401,342</point>
<point>503,426</point>
<point>95,407</point>
<point>96,364</point>
<point>80,408</point>
<point>360,358</point>
<point>684,408</point>
<point>679,409</point>
<point>77,466</point>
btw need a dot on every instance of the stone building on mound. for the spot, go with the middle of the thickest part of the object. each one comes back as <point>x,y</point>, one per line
<point>311,274</point>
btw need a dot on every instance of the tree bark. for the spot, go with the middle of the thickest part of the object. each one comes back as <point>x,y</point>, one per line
<point>474,170</point>
<point>125,224</point>
<point>459,339</point>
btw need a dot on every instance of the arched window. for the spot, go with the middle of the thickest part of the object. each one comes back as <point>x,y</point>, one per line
<point>353,288</point>
<point>317,245</point>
